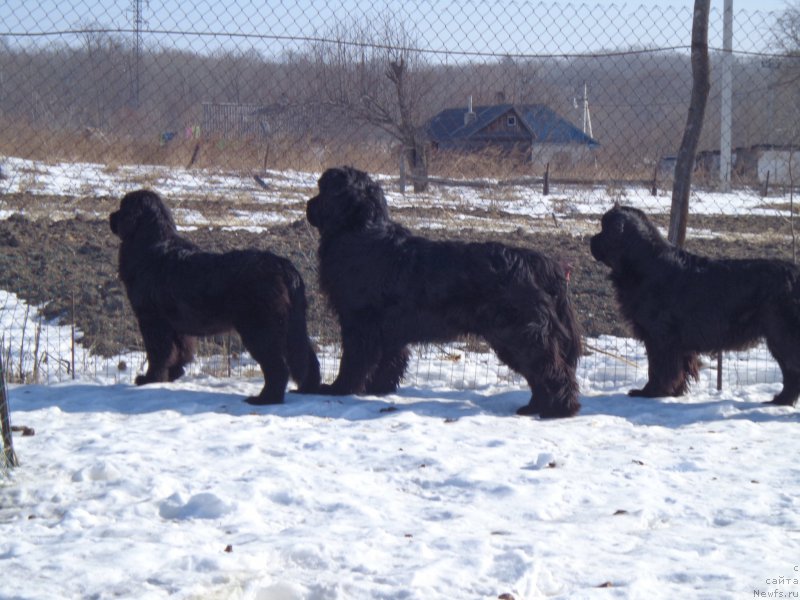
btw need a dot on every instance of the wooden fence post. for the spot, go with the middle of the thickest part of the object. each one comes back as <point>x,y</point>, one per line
<point>654,186</point>
<point>546,188</point>
<point>402,173</point>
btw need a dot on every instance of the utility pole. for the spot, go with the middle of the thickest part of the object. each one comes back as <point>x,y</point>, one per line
<point>138,22</point>
<point>727,98</point>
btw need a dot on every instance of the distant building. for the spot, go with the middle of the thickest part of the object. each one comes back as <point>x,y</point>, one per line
<point>749,164</point>
<point>706,165</point>
<point>781,162</point>
<point>533,131</point>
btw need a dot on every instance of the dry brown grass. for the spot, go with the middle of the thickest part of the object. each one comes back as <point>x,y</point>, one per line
<point>22,140</point>
<point>282,153</point>
<point>494,164</point>
<point>488,164</point>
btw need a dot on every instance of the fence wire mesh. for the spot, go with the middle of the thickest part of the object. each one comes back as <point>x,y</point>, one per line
<point>514,121</point>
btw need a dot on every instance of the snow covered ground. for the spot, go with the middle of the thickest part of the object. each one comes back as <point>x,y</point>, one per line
<point>438,491</point>
<point>184,491</point>
<point>289,190</point>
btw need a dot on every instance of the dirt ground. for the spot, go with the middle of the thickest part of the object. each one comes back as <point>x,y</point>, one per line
<point>69,266</point>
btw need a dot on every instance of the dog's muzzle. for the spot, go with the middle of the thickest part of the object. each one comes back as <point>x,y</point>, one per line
<point>312,210</point>
<point>595,245</point>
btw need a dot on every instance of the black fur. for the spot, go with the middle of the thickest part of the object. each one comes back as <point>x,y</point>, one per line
<point>390,288</point>
<point>681,304</point>
<point>178,292</point>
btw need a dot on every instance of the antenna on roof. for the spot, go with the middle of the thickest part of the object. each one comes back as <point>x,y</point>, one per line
<point>587,117</point>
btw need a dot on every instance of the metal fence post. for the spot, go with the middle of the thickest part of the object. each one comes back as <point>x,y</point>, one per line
<point>9,457</point>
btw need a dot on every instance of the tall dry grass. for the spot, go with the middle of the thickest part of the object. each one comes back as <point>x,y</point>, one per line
<point>250,154</point>
<point>23,140</point>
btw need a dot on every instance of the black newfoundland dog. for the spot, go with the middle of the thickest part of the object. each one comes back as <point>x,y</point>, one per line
<point>390,288</point>
<point>680,304</point>
<point>177,292</point>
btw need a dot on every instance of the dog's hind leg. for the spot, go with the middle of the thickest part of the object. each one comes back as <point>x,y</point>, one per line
<point>691,370</point>
<point>787,356</point>
<point>303,363</point>
<point>183,355</point>
<point>387,375</point>
<point>552,397</point>
<point>308,380</point>
<point>267,346</point>
<point>301,357</point>
<point>554,390</point>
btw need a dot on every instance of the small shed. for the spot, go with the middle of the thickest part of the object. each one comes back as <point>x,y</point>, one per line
<point>749,164</point>
<point>530,130</point>
<point>781,162</point>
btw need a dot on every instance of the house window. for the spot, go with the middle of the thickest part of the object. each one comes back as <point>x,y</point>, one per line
<point>511,121</point>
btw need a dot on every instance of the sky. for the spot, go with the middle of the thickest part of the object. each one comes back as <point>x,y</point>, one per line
<point>471,25</point>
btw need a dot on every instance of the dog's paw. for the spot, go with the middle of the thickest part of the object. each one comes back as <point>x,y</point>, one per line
<point>306,389</point>
<point>331,389</point>
<point>779,401</point>
<point>647,392</point>
<point>528,411</point>
<point>549,412</point>
<point>261,401</point>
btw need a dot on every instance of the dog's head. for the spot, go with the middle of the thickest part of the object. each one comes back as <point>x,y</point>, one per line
<point>626,235</point>
<point>348,200</point>
<point>142,215</point>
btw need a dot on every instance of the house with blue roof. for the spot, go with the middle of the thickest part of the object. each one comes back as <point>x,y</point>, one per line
<point>531,130</point>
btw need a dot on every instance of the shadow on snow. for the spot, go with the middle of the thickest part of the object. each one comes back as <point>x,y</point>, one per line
<point>215,397</point>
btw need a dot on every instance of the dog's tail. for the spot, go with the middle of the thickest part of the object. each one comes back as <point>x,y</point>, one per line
<point>302,360</point>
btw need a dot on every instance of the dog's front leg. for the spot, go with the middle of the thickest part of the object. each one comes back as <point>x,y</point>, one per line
<point>666,370</point>
<point>162,353</point>
<point>360,356</point>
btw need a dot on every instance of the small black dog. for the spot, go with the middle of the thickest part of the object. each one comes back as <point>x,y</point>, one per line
<point>680,304</point>
<point>177,292</point>
<point>390,288</point>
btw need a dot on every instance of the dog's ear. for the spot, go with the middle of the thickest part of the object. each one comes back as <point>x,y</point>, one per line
<point>371,207</point>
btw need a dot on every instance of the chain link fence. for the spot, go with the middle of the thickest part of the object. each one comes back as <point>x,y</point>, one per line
<point>514,121</point>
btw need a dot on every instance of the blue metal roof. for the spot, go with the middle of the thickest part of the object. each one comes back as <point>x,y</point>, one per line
<point>544,125</point>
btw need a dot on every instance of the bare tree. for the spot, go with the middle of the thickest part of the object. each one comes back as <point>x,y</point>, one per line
<point>679,214</point>
<point>786,31</point>
<point>785,85</point>
<point>373,72</point>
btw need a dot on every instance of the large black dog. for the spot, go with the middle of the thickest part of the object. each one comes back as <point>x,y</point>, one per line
<point>390,288</point>
<point>680,304</point>
<point>177,292</point>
